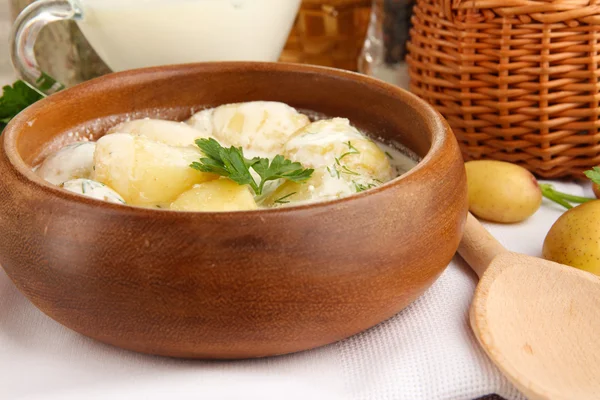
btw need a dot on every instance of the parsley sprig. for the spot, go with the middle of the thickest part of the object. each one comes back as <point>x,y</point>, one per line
<point>231,163</point>
<point>593,175</point>
<point>21,95</point>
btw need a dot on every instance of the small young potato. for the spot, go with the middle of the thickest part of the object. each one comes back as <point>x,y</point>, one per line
<point>167,132</point>
<point>71,162</point>
<point>501,192</point>
<point>144,172</point>
<point>573,239</point>
<point>219,195</point>
<point>321,186</point>
<point>260,127</point>
<point>93,189</point>
<point>338,146</point>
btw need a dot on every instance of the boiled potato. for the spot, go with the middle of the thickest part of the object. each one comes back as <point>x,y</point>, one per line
<point>261,128</point>
<point>321,186</point>
<point>167,132</point>
<point>338,146</point>
<point>501,191</point>
<point>71,162</point>
<point>145,172</point>
<point>218,195</point>
<point>574,239</point>
<point>93,189</point>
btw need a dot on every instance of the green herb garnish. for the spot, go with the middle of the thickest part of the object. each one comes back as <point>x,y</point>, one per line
<point>21,95</point>
<point>353,150</point>
<point>282,200</point>
<point>345,170</point>
<point>564,199</point>
<point>389,155</point>
<point>15,99</point>
<point>280,168</point>
<point>359,187</point>
<point>231,163</point>
<point>594,175</point>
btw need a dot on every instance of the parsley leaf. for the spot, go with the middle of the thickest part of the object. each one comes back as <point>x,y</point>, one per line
<point>231,163</point>
<point>594,175</point>
<point>21,95</point>
<point>280,168</point>
<point>15,99</point>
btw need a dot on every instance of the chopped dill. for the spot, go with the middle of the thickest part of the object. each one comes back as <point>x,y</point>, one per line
<point>345,170</point>
<point>389,155</point>
<point>282,200</point>
<point>361,187</point>
<point>333,173</point>
<point>353,150</point>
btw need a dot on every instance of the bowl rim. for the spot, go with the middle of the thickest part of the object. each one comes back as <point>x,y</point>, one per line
<point>431,117</point>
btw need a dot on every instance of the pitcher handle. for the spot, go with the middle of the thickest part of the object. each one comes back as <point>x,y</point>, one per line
<point>24,33</point>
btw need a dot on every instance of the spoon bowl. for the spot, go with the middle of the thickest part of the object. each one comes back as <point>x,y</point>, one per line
<point>537,320</point>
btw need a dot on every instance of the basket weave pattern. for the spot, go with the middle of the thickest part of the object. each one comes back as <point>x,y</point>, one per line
<point>517,80</point>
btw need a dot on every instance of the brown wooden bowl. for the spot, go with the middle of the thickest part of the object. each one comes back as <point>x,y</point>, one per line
<point>233,284</point>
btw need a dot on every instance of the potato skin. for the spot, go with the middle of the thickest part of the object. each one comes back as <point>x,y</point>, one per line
<point>574,239</point>
<point>501,191</point>
<point>219,195</point>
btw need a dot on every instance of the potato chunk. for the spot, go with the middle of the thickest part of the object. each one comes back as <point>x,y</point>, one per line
<point>218,195</point>
<point>71,162</point>
<point>144,172</point>
<point>261,127</point>
<point>338,146</point>
<point>93,189</point>
<point>167,132</point>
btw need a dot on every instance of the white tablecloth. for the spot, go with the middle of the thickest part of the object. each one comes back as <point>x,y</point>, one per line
<point>426,352</point>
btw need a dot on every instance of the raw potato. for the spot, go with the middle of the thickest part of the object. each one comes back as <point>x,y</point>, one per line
<point>501,191</point>
<point>574,239</point>
<point>260,127</point>
<point>167,132</point>
<point>144,172</point>
<point>218,195</point>
<point>337,145</point>
<point>93,189</point>
<point>71,162</point>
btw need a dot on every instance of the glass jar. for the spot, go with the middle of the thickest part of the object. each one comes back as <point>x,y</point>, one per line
<point>329,33</point>
<point>384,51</point>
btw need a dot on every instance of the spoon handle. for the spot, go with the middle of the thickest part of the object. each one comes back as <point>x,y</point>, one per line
<point>478,247</point>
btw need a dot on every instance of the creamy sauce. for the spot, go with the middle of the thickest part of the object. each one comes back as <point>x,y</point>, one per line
<point>147,162</point>
<point>401,162</point>
<point>131,34</point>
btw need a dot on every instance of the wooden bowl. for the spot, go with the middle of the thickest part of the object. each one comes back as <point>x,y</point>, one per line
<point>233,284</point>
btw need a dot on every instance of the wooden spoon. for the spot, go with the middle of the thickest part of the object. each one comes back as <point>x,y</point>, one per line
<point>537,320</point>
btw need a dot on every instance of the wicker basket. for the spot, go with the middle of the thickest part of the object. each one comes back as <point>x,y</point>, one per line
<point>517,80</point>
<point>329,33</point>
